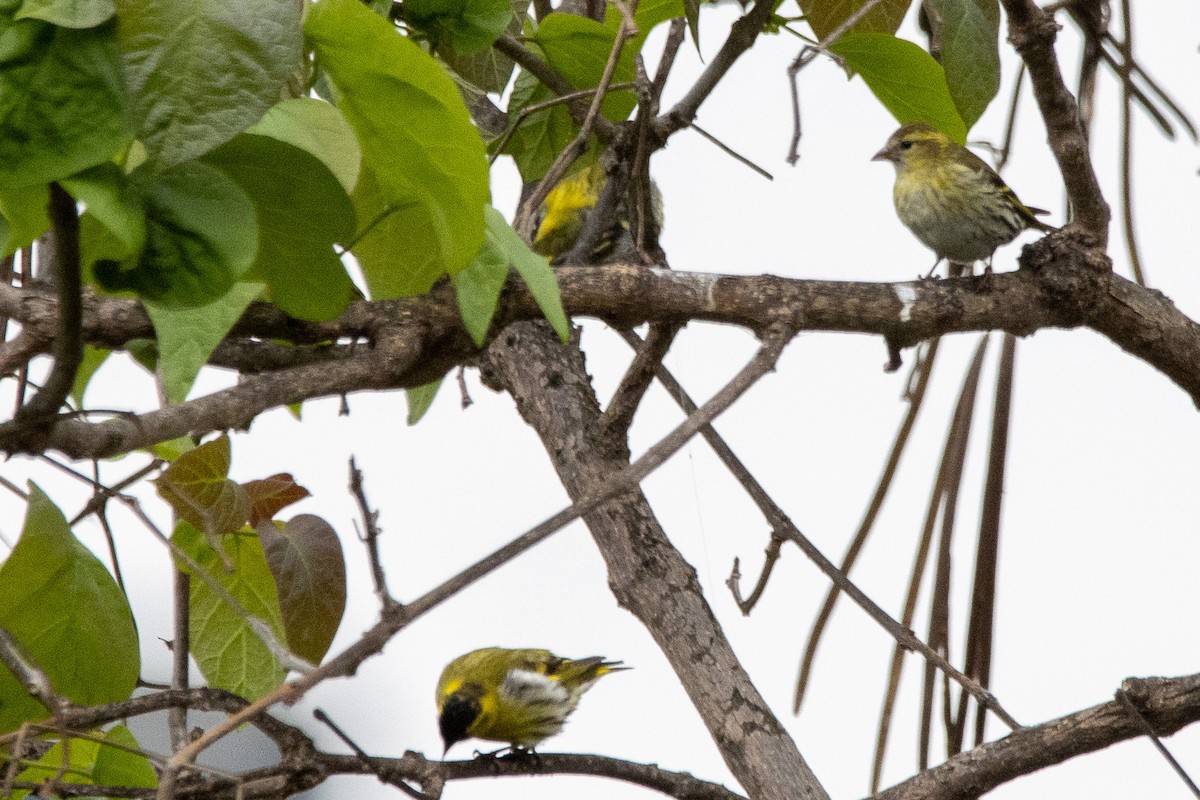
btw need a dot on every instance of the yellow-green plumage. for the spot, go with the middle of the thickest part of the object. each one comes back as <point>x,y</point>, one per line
<point>562,215</point>
<point>950,198</point>
<point>520,696</point>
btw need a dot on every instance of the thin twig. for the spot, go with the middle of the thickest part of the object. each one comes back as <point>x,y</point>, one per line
<point>955,439</point>
<point>915,396</point>
<point>102,494</point>
<point>1137,717</point>
<point>39,412</point>
<point>365,759</point>
<point>564,159</point>
<point>807,54</point>
<point>395,619</point>
<point>618,416</point>
<point>1011,125</point>
<point>731,152</point>
<point>370,535</point>
<point>180,647</point>
<point>464,395</point>
<point>783,526</point>
<point>676,32</point>
<point>31,676</point>
<point>1131,242</point>
<point>511,130</point>
<point>983,594</point>
<point>741,36</point>
<point>770,559</point>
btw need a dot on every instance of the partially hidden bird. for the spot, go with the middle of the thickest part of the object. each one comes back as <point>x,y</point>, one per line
<point>518,696</point>
<point>561,218</point>
<point>951,199</point>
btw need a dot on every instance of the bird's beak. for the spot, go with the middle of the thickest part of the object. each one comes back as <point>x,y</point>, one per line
<point>883,155</point>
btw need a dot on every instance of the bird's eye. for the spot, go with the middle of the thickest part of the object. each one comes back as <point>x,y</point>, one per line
<point>906,145</point>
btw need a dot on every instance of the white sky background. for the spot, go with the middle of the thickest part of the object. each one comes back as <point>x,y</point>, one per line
<point>1099,548</point>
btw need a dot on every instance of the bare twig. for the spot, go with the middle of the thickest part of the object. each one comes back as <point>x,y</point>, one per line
<point>724,148</point>
<point>1032,33</point>
<point>39,412</point>
<point>370,535</point>
<point>365,759</point>
<point>536,107</point>
<point>983,594</point>
<point>1137,716</point>
<point>950,465</point>
<point>618,416</point>
<point>771,557</point>
<point>180,647</point>
<point>31,676</point>
<point>785,528</point>
<point>675,35</point>
<point>915,396</point>
<point>741,36</point>
<point>1126,73</point>
<point>807,54</point>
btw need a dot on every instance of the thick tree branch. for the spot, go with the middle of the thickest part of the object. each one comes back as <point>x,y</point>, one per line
<point>741,36</point>
<point>1032,33</point>
<point>1168,704</point>
<point>415,340</point>
<point>647,574</point>
<point>432,775</point>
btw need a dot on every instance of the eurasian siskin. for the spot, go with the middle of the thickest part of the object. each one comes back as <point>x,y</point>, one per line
<point>951,199</point>
<point>517,696</point>
<point>562,215</point>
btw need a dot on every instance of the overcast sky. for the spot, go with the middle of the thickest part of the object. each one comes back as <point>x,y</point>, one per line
<point>1101,534</point>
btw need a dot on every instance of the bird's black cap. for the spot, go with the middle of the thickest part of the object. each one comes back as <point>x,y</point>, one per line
<point>457,715</point>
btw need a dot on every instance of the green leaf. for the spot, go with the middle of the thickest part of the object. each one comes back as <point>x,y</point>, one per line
<point>970,36</point>
<point>87,761</point>
<point>310,571</point>
<point>543,134</point>
<point>317,128</point>
<point>488,70</point>
<point>823,16</point>
<point>905,78</point>
<point>201,237</point>
<point>466,26</point>
<point>302,211</point>
<point>68,13</point>
<point>93,357</point>
<point>172,449</point>
<point>187,336</point>
<point>26,216</point>
<point>202,73</point>
<point>478,287</point>
<point>63,102</point>
<point>579,49</point>
<point>428,161</point>
<point>691,10</point>
<point>198,489</point>
<point>420,398</point>
<point>68,614</point>
<point>534,270</point>
<point>230,655</point>
<point>114,203</point>
<point>649,15</point>
<point>117,767</point>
